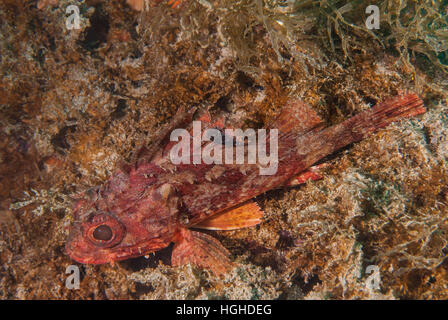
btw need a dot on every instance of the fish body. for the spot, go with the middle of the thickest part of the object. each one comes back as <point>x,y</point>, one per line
<point>153,202</point>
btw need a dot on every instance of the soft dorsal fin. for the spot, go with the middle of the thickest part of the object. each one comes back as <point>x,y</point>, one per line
<point>246,215</point>
<point>297,118</point>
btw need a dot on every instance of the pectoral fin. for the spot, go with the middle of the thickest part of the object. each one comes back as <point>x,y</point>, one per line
<point>201,250</point>
<point>246,215</point>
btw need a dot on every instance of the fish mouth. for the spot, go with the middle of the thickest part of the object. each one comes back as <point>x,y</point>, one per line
<point>84,252</point>
<point>85,259</point>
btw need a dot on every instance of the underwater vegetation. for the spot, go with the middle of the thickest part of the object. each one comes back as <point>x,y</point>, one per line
<point>75,103</point>
<point>409,27</point>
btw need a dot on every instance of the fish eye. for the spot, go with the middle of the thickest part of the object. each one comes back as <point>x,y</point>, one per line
<point>103,233</point>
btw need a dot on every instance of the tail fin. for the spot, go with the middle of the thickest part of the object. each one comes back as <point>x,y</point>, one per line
<point>385,113</point>
<point>313,146</point>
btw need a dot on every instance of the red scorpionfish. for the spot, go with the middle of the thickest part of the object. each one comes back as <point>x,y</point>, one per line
<point>152,202</point>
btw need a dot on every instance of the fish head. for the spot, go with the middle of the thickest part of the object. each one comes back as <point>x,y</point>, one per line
<point>119,228</point>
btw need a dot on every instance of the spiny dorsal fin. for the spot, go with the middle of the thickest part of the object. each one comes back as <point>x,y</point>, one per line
<point>182,119</point>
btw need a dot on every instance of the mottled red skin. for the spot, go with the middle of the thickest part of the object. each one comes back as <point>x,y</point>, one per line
<point>149,204</point>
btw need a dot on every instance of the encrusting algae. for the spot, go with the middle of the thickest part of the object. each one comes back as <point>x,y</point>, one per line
<point>77,103</point>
